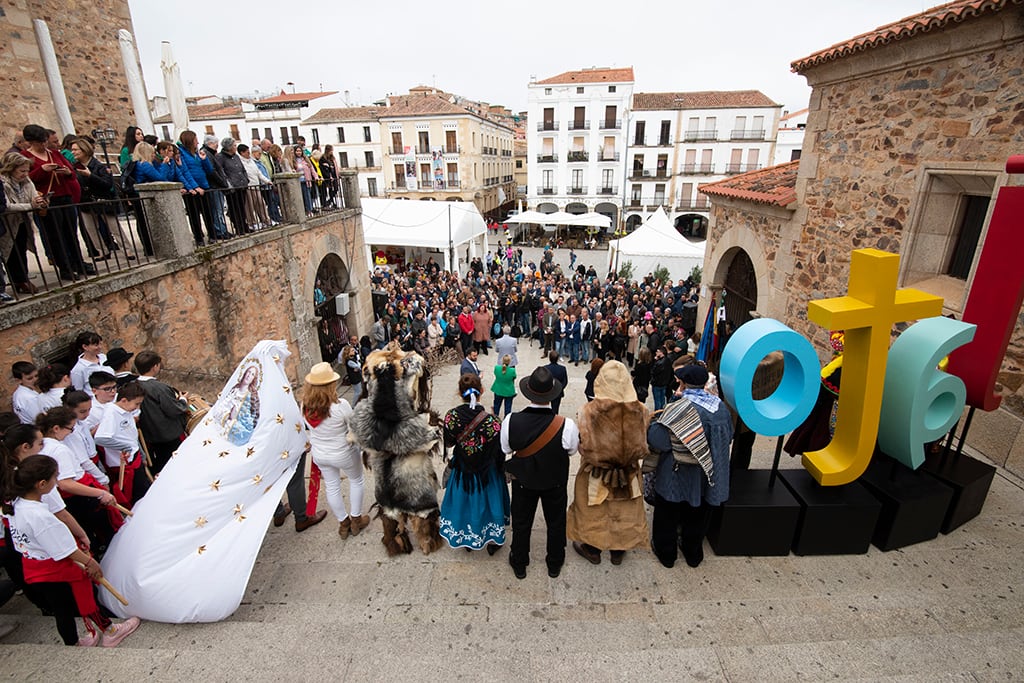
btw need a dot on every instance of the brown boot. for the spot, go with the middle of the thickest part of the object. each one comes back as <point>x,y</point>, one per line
<point>359,523</point>
<point>310,521</point>
<point>344,527</point>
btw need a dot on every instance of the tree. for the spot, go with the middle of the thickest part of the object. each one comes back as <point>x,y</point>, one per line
<point>661,273</point>
<point>626,270</point>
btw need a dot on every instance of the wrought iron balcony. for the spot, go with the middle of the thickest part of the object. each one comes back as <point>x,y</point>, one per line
<point>453,183</point>
<point>608,156</point>
<point>694,205</point>
<point>664,142</point>
<point>747,135</point>
<point>579,125</point>
<point>456,149</point>
<point>611,124</point>
<point>547,190</point>
<point>608,190</point>
<point>695,135</point>
<point>741,168</point>
<point>547,125</point>
<point>577,190</point>
<point>579,156</point>
<point>697,169</point>
<point>547,158</point>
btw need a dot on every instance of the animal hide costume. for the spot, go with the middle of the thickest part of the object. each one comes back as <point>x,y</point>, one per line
<point>607,511</point>
<point>394,426</point>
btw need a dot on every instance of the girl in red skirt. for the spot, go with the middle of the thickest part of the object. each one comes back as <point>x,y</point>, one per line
<point>59,571</point>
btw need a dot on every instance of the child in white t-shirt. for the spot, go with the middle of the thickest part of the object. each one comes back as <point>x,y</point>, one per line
<point>52,383</point>
<point>25,401</point>
<point>118,435</point>
<point>90,360</point>
<point>57,568</point>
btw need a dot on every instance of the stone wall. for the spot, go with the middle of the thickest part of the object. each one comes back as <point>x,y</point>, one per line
<point>84,34</point>
<point>203,312</point>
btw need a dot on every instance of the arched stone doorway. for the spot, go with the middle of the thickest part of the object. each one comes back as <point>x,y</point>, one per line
<point>610,210</point>
<point>692,226</point>
<point>634,222</point>
<point>740,287</point>
<point>332,279</point>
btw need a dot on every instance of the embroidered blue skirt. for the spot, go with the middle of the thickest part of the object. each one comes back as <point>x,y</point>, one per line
<point>475,512</point>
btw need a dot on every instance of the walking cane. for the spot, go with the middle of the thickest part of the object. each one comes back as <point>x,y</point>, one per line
<point>120,476</point>
<point>106,584</point>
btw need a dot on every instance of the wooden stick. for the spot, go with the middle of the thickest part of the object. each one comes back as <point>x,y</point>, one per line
<point>120,477</point>
<point>106,584</point>
<point>123,509</point>
<point>145,450</point>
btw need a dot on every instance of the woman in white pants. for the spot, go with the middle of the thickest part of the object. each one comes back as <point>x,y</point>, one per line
<point>327,417</point>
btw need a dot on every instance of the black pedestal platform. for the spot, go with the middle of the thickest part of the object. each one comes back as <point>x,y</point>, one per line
<point>834,520</point>
<point>757,520</point>
<point>914,504</point>
<point>970,480</point>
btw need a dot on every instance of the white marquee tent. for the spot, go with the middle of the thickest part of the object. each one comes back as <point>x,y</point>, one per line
<point>656,242</point>
<point>422,226</point>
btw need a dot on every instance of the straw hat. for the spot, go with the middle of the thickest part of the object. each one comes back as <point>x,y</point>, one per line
<point>322,373</point>
<point>613,382</point>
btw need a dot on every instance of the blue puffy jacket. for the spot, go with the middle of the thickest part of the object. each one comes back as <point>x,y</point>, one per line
<point>145,172</point>
<point>197,168</point>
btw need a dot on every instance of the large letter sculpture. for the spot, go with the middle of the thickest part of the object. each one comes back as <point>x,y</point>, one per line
<point>995,298</point>
<point>791,403</point>
<point>921,403</point>
<point>867,315</point>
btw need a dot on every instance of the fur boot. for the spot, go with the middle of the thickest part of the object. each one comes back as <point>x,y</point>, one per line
<point>427,530</point>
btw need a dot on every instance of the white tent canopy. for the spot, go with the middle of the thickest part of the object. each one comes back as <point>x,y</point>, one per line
<point>429,225</point>
<point>656,243</point>
<point>594,220</point>
<point>530,216</point>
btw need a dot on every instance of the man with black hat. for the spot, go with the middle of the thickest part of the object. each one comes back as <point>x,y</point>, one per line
<point>692,475</point>
<point>118,361</point>
<point>539,443</point>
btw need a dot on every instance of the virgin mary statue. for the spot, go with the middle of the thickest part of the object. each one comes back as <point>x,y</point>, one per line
<point>188,550</point>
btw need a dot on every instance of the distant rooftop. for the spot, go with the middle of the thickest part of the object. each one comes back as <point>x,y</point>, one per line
<point>775,185</point>
<point>337,114</point>
<point>935,19</point>
<point>706,99</point>
<point>295,97</point>
<point>207,112</point>
<point>595,75</point>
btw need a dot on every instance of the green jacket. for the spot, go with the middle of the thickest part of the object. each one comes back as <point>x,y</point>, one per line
<point>504,382</point>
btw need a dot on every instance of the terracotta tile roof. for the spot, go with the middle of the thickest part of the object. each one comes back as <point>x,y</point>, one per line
<point>333,114</point>
<point>934,19</point>
<point>707,99</point>
<point>775,185</point>
<point>296,96</point>
<point>421,105</point>
<point>207,112</point>
<point>596,75</point>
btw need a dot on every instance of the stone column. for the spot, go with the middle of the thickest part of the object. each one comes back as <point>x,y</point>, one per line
<point>290,189</point>
<point>168,225</point>
<point>349,188</point>
<point>53,77</point>
<point>136,86</point>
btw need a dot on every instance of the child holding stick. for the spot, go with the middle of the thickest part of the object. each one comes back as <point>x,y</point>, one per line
<point>58,569</point>
<point>119,438</point>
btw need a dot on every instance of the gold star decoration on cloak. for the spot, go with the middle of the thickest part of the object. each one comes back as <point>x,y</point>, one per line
<point>200,522</point>
<point>250,451</point>
<point>215,485</point>
<point>279,419</point>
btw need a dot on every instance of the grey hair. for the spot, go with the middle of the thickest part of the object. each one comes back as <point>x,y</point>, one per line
<point>506,330</point>
<point>210,140</point>
<point>227,142</point>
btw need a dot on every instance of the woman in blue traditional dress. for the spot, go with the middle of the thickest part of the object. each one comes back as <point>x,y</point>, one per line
<point>475,510</point>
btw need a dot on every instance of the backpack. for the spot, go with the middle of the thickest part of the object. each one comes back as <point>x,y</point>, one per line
<point>496,330</point>
<point>126,183</point>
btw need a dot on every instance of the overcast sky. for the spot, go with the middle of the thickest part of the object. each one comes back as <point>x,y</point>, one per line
<point>489,50</point>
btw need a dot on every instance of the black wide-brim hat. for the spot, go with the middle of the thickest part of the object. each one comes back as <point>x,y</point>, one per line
<point>540,386</point>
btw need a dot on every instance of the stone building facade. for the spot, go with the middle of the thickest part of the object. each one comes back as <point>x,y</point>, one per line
<point>907,138</point>
<point>84,36</point>
<point>202,311</point>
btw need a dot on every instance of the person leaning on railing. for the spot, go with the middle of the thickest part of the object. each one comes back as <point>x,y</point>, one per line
<point>97,186</point>
<point>22,198</point>
<point>197,203</point>
<point>55,178</point>
<point>237,179</point>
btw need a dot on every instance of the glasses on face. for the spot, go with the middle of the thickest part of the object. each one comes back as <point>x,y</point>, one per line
<point>112,387</point>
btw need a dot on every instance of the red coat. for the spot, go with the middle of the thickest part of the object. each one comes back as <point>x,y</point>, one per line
<point>49,181</point>
<point>466,323</point>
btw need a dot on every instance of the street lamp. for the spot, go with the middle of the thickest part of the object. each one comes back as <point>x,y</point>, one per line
<point>105,136</point>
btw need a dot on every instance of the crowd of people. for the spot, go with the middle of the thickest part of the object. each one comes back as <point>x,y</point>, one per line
<point>60,189</point>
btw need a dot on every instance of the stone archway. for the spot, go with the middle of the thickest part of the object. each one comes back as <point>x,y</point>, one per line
<point>332,280</point>
<point>633,222</point>
<point>740,286</point>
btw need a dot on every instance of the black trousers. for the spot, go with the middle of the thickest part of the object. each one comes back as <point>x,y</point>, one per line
<point>236,210</point>
<point>92,517</point>
<point>60,601</point>
<point>161,452</point>
<point>679,524</point>
<point>17,261</point>
<point>553,502</point>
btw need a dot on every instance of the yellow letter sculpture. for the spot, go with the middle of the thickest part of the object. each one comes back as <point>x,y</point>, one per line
<point>867,314</point>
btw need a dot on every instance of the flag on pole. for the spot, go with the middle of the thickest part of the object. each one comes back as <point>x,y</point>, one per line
<point>707,337</point>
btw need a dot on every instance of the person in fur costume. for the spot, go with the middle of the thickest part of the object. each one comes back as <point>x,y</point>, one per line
<point>396,429</point>
<point>607,511</point>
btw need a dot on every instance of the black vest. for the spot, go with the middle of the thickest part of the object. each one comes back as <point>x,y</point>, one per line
<point>548,467</point>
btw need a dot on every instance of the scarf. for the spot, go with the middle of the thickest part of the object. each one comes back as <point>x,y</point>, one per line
<point>688,442</point>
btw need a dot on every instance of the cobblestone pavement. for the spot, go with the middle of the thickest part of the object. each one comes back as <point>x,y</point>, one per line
<point>319,608</point>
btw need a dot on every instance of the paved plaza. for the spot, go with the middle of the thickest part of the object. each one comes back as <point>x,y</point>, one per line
<point>319,608</point>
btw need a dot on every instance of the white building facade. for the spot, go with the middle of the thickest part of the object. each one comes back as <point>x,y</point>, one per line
<point>791,136</point>
<point>354,134</point>
<point>576,141</point>
<point>679,140</point>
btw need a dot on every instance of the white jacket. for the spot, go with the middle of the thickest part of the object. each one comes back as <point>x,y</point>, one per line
<point>329,438</point>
